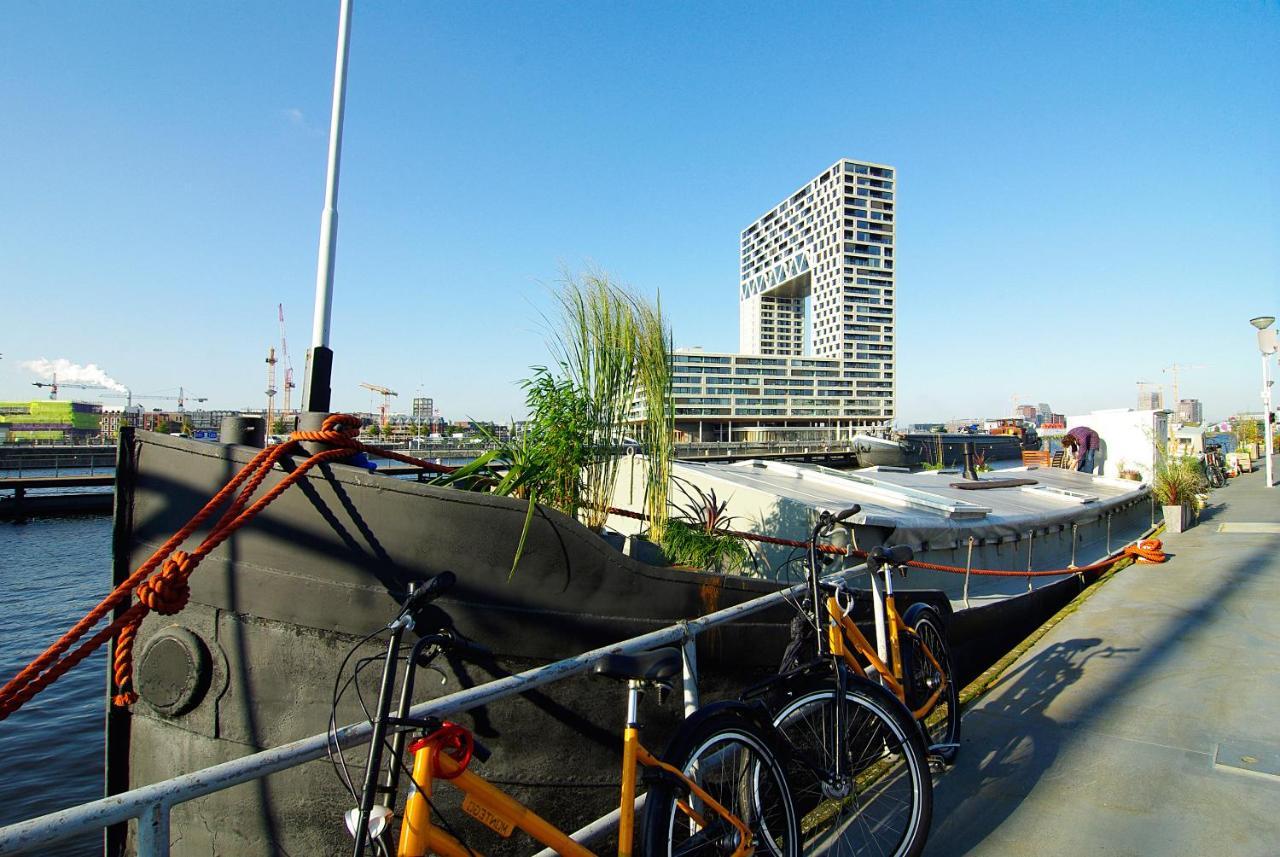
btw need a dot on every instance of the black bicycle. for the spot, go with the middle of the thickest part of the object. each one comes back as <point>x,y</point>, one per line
<point>1214,466</point>
<point>719,789</point>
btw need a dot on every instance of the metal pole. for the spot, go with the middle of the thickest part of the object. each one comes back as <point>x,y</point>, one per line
<point>968,564</point>
<point>317,393</point>
<point>1266,413</point>
<point>690,675</point>
<point>153,831</point>
<point>1031,546</point>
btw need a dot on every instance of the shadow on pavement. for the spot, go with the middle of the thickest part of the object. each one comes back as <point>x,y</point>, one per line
<point>995,774</point>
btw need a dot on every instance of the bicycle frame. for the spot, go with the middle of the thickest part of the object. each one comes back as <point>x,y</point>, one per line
<point>843,630</point>
<point>503,814</point>
<point>483,801</point>
<point>842,633</point>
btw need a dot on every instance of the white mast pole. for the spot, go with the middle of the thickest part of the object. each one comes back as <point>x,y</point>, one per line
<point>318,392</point>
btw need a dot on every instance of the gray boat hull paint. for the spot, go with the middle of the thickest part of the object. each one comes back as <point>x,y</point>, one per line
<point>277,606</point>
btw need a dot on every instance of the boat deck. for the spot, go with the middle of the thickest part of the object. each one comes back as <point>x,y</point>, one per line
<point>1144,722</point>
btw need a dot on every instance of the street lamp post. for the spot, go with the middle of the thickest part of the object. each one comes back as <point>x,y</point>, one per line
<point>1267,344</point>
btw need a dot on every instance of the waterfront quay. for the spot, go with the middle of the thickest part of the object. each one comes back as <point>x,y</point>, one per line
<point>1144,722</point>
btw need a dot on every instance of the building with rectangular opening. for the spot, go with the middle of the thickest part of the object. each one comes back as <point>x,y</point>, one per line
<point>816,319</point>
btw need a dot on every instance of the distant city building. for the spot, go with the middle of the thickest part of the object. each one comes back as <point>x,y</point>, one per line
<point>1150,401</point>
<point>1027,412</point>
<point>51,421</point>
<point>1190,411</point>
<point>424,409</point>
<point>816,320</point>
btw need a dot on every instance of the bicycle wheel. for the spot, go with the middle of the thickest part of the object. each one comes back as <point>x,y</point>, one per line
<point>733,755</point>
<point>876,795</point>
<point>1216,479</point>
<point>941,724</point>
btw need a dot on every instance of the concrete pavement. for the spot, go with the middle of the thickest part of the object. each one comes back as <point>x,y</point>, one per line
<point>1148,721</point>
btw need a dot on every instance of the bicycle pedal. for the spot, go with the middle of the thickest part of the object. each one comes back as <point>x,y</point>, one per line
<point>937,764</point>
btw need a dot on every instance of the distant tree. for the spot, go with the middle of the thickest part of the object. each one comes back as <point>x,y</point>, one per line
<point>374,430</point>
<point>187,428</point>
<point>277,427</point>
<point>163,426</point>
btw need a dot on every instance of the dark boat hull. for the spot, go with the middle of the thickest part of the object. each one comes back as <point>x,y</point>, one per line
<point>250,663</point>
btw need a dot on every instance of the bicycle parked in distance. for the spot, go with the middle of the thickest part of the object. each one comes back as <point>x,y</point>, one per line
<point>720,788</point>
<point>1215,467</point>
<point>859,771</point>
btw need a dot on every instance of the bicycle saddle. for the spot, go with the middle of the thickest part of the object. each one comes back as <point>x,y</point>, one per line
<point>659,665</point>
<point>896,555</point>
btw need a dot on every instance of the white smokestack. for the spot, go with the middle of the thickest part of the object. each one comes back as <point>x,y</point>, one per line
<point>73,373</point>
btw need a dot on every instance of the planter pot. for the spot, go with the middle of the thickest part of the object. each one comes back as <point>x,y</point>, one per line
<point>1177,518</point>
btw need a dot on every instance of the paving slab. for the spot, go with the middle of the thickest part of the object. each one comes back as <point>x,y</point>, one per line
<point>1146,722</point>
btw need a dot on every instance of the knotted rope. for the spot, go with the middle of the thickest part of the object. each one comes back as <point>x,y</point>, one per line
<point>167,590</point>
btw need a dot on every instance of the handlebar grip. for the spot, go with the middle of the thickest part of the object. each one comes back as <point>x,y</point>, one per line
<point>434,588</point>
<point>848,513</point>
<point>469,648</point>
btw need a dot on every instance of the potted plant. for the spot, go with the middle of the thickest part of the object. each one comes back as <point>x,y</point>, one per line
<point>1178,481</point>
<point>701,536</point>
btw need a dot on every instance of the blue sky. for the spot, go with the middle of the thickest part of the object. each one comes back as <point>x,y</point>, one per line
<point>1087,192</point>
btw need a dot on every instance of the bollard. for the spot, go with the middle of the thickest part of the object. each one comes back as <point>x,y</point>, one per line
<point>1074,527</point>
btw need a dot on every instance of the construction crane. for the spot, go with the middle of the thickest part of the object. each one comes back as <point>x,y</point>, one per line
<point>54,386</point>
<point>288,367</point>
<point>181,398</point>
<point>386,400</point>
<point>271,388</point>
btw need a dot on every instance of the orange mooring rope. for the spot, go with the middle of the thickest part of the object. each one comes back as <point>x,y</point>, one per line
<point>166,592</point>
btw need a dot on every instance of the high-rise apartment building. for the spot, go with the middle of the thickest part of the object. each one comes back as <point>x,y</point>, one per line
<point>423,409</point>
<point>1150,400</point>
<point>829,244</point>
<point>1190,411</point>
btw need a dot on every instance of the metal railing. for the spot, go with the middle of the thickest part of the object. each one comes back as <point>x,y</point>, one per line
<point>150,805</point>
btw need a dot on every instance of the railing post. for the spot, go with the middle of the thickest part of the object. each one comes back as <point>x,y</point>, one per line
<point>153,831</point>
<point>1074,527</point>
<point>1108,534</point>
<point>690,652</point>
<point>968,565</point>
<point>1031,546</point>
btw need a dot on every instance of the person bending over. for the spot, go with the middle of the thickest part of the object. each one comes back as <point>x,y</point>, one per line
<point>1082,442</point>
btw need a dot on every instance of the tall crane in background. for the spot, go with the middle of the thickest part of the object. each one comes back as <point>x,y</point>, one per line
<point>271,389</point>
<point>386,400</point>
<point>54,386</point>
<point>288,368</point>
<point>181,398</point>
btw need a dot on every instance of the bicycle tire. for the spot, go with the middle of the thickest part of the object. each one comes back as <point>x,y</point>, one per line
<point>883,800</point>
<point>732,752</point>
<point>1216,479</point>
<point>941,725</point>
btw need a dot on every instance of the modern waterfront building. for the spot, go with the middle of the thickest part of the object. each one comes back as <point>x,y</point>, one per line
<point>46,421</point>
<point>1190,411</point>
<point>816,319</point>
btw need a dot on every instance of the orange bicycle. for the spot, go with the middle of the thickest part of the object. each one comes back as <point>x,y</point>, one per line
<point>720,788</point>
<point>910,657</point>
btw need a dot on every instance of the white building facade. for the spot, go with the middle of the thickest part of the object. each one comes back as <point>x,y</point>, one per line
<point>816,319</point>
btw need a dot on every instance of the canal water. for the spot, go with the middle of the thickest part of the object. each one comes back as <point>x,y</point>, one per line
<point>52,572</point>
